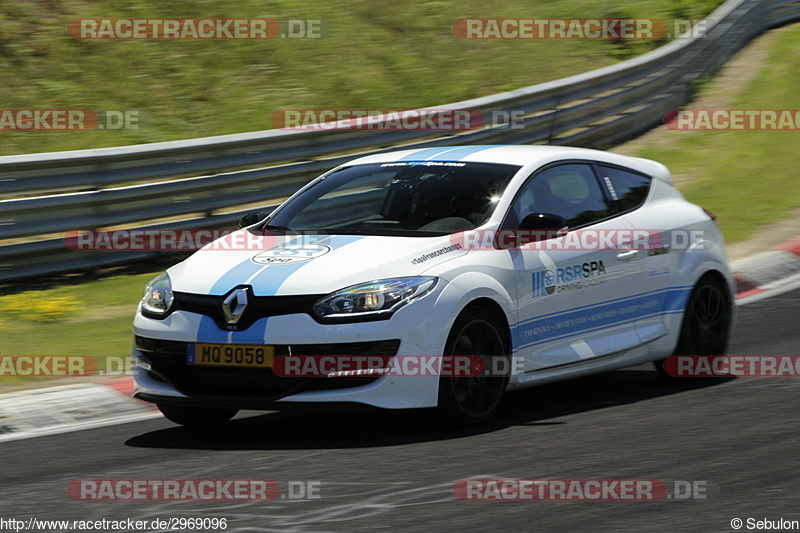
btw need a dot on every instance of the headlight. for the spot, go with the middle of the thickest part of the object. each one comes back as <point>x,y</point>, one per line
<point>376,299</point>
<point>158,297</point>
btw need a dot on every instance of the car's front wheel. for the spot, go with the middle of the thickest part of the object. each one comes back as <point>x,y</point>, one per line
<point>196,416</point>
<point>706,322</point>
<point>472,400</point>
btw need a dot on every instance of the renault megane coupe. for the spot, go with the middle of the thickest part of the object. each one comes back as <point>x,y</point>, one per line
<point>535,263</point>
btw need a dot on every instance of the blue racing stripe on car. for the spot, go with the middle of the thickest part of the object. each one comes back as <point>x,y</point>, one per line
<point>457,154</point>
<point>586,308</point>
<point>209,332</point>
<point>241,272</point>
<point>269,281</point>
<point>266,283</point>
<point>423,154</point>
<point>603,315</point>
<point>677,300</point>
<point>549,335</point>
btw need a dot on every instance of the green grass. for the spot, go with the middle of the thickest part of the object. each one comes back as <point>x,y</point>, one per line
<point>378,54</point>
<point>101,327</point>
<point>746,178</point>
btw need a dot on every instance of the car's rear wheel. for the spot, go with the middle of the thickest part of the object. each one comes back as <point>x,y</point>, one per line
<point>472,400</point>
<point>196,416</point>
<point>706,322</point>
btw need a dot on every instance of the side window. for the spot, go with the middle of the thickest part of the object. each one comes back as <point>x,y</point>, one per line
<point>627,189</point>
<point>570,191</point>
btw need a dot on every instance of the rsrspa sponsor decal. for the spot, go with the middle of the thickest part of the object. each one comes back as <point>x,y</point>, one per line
<point>569,278</point>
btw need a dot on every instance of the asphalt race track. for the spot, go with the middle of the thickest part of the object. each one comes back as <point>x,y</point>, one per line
<point>395,472</point>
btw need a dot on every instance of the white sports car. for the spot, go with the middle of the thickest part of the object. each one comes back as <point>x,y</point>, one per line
<point>537,263</point>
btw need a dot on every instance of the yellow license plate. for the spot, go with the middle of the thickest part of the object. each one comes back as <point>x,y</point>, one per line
<point>241,355</point>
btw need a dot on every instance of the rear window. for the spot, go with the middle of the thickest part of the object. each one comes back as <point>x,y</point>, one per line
<point>628,189</point>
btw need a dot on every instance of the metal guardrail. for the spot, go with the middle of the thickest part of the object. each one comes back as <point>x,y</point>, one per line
<point>197,178</point>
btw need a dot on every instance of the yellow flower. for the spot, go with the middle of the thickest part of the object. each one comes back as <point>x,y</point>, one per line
<point>37,306</point>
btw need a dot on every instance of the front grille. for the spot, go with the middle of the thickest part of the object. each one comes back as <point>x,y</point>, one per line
<point>168,360</point>
<point>257,307</point>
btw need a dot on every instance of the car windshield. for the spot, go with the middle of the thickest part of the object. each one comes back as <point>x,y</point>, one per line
<point>410,198</point>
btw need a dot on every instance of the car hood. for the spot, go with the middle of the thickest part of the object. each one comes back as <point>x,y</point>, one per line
<point>306,264</point>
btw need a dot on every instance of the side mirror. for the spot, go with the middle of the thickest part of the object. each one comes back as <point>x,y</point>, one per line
<point>251,218</point>
<point>535,227</point>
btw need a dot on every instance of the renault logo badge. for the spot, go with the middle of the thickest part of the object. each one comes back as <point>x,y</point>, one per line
<point>234,304</point>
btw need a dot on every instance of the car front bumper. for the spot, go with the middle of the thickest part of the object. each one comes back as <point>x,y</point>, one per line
<point>419,328</point>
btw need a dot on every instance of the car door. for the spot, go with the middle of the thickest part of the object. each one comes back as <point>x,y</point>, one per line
<point>657,260</point>
<point>572,290</point>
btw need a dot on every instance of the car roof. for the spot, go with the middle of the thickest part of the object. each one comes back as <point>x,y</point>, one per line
<point>522,155</point>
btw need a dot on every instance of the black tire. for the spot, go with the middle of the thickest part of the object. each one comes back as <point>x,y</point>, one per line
<point>706,325</point>
<point>471,401</point>
<point>196,416</point>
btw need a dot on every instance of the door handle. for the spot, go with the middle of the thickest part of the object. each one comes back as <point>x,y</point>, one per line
<point>627,255</point>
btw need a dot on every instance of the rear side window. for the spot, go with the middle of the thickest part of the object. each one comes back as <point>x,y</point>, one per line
<point>628,189</point>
